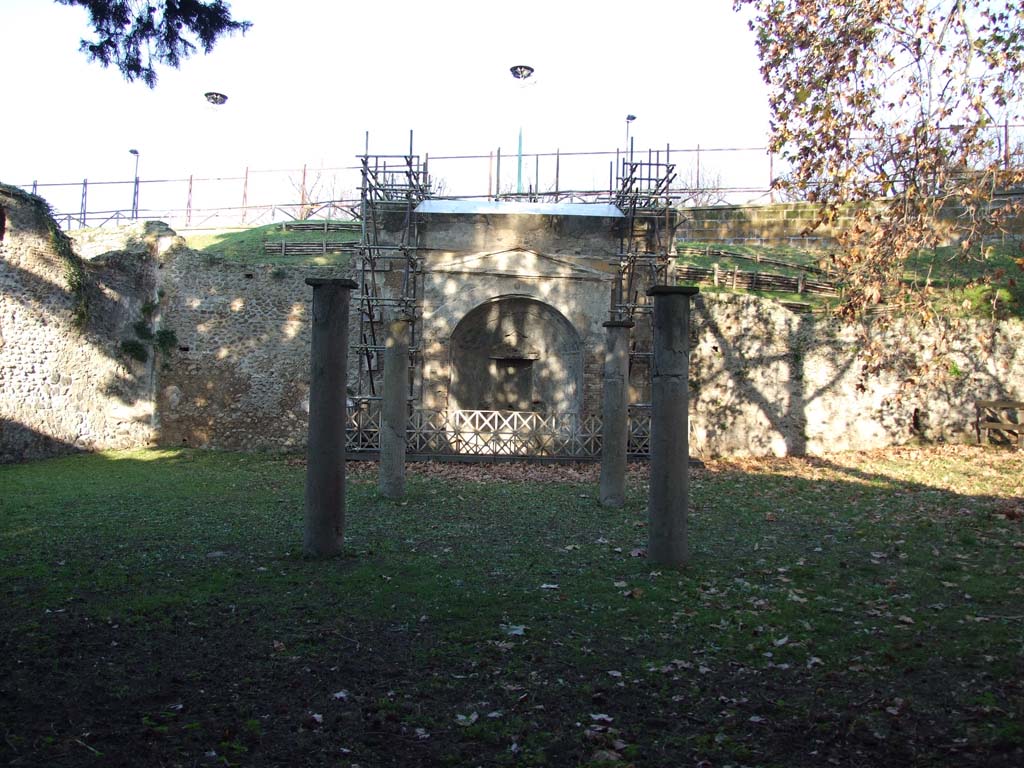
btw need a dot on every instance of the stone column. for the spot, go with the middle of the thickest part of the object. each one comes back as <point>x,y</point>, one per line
<point>615,414</point>
<point>325,468</point>
<point>670,443</point>
<point>394,411</point>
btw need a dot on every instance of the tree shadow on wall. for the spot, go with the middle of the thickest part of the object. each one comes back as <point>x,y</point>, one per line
<point>786,416</point>
<point>117,317</point>
<point>927,374</point>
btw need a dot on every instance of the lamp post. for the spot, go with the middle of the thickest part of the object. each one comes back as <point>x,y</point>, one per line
<point>520,72</point>
<point>135,185</point>
<point>629,122</point>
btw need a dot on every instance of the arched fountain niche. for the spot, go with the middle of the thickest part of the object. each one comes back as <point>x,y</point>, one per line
<point>515,353</point>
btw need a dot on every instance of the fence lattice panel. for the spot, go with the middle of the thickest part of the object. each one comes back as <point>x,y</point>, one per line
<point>496,433</point>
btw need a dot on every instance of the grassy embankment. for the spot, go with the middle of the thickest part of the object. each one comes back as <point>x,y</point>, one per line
<point>968,286</point>
<point>250,246</point>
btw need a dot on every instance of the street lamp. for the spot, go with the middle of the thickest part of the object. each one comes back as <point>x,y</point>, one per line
<point>135,186</point>
<point>629,121</point>
<point>520,72</point>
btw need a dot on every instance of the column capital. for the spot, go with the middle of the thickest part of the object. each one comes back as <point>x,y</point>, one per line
<point>673,290</point>
<point>340,282</point>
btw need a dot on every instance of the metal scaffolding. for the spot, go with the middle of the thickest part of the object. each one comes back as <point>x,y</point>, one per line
<point>646,247</point>
<point>390,266</point>
<point>391,263</point>
<point>647,239</point>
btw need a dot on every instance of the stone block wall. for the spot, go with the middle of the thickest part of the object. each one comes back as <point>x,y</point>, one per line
<point>783,224</point>
<point>777,223</point>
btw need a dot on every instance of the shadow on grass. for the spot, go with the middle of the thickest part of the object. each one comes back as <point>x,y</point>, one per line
<point>157,609</point>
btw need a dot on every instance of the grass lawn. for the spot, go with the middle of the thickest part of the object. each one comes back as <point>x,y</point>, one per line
<point>978,285</point>
<point>859,610</point>
<point>248,245</point>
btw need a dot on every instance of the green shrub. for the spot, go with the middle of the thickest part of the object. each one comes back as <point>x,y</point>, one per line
<point>135,350</point>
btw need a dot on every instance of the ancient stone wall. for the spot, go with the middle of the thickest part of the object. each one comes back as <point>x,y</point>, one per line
<point>454,287</point>
<point>66,382</point>
<point>763,380</point>
<point>238,377</point>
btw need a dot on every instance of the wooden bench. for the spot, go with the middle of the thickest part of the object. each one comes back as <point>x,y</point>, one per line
<point>997,414</point>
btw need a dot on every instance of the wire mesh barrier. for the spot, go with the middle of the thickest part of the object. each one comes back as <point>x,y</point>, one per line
<point>508,434</point>
<point>705,176</point>
<point>257,197</point>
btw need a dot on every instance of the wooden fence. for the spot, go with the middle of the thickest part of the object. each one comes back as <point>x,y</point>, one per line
<point>754,281</point>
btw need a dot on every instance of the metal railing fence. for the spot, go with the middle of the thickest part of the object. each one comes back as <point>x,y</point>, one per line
<point>498,434</point>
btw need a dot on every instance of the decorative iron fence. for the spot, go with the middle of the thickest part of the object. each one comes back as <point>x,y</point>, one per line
<point>484,434</point>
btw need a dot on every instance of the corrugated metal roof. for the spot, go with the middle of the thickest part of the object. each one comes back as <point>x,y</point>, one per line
<point>505,207</point>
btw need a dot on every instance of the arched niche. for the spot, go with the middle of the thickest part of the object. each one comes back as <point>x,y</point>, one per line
<point>514,353</point>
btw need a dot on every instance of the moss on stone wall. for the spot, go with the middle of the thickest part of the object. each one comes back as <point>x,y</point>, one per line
<point>74,271</point>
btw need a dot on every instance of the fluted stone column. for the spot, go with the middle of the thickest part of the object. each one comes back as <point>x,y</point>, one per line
<point>325,467</point>
<point>615,414</point>
<point>670,443</point>
<point>394,413</point>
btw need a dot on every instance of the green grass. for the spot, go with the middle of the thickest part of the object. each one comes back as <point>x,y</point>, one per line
<point>247,245</point>
<point>795,256</point>
<point>984,284</point>
<point>858,610</point>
